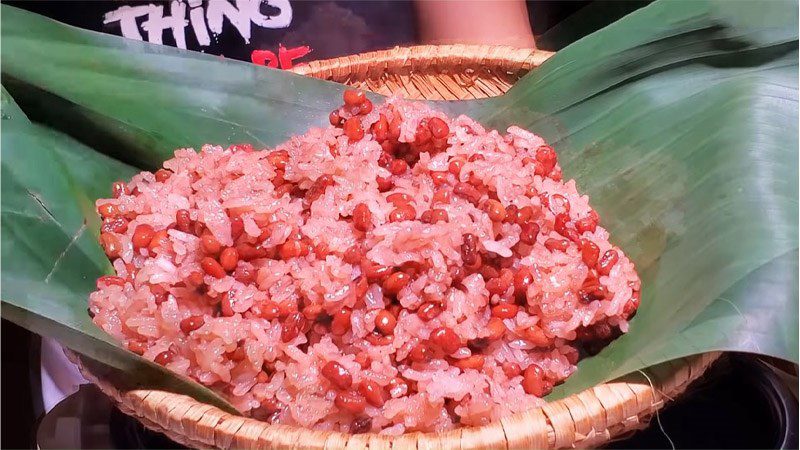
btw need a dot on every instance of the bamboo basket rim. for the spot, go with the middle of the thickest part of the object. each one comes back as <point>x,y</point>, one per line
<point>586,419</point>
<point>431,72</point>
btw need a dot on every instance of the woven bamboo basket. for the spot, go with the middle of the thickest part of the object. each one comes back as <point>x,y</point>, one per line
<point>587,419</point>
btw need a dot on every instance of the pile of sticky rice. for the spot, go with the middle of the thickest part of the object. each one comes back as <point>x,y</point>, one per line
<point>396,271</point>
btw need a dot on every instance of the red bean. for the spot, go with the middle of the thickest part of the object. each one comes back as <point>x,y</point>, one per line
<point>269,310</point>
<point>353,129</point>
<point>536,336</point>
<point>398,199</point>
<point>374,272</point>
<point>511,369</point>
<point>226,303</point>
<point>560,223</point>
<point>245,274</point>
<point>183,221</point>
<point>209,244</point>
<point>385,160</point>
<point>429,311</point>
<point>118,189</point>
<point>380,129</point>
<point>340,324</point>
<point>512,213</point>
<point>474,362</point>
<point>372,392</point>
<point>438,178</point>
<point>365,108</point>
<point>142,236</point>
<point>292,248</point>
<point>468,192</point>
<point>229,258</point>
<point>423,134</point>
<point>446,339</point>
<point>164,358</point>
<point>163,175</point>
<point>522,279</point>
<point>556,244</point>
<point>402,213</point>
<point>394,128</point>
<point>313,312</point>
<point>292,326</point>
<point>505,310</point>
<point>160,293</point>
<point>591,293</point>
<point>249,252</point>
<point>116,224</point>
<point>495,210</point>
<point>385,321</point>
<point>398,167</point>
<point>363,360</point>
<point>455,165</point>
<point>589,252</point>
<point>353,97</point>
<point>607,262</point>
<point>474,179</point>
<point>137,347</point>
<point>107,210</point>
<point>378,339</point>
<point>496,328</point>
<point>337,375</point>
<point>632,305</point>
<point>278,159</point>
<point>195,278</point>
<point>237,227</point>
<point>547,157</point>
<point>469,249</point>
<point>524,214</point>
<point>362,217</point>
<point>192,323</point>
<point>334,118</point>
<point>395,283</point>
<point>534,381</point>
<point>420,353</point>
<point>442,195</point>
<point>351,402</point>
<point>499,284</point>
<point>361,425</point>
<point>354,255</point>
<point>439,215</point>
<point>109,280</point>
<point>438,127</point>
<point>160,241</point>
<point>585,225</point>
<point>212,267</point>
<point>237,354</point>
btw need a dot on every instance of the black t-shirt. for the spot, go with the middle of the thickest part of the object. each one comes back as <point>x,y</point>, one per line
<point>283,33</point>
<point>279,33</point>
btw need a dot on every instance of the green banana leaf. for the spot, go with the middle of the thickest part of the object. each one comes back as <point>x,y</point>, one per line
<point>49,248</point>
<point>679,120</point>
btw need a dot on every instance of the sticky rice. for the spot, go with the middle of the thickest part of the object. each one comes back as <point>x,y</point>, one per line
<point>395,271</point>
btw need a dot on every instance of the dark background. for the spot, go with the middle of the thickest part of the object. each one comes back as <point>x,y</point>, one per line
<point>390,22</point>
<point>341,27</point>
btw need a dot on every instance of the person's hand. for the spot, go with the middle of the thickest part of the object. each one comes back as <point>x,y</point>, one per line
<point>497,22</point>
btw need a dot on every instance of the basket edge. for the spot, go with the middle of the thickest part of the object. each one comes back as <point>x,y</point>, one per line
<point>554,425</point>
